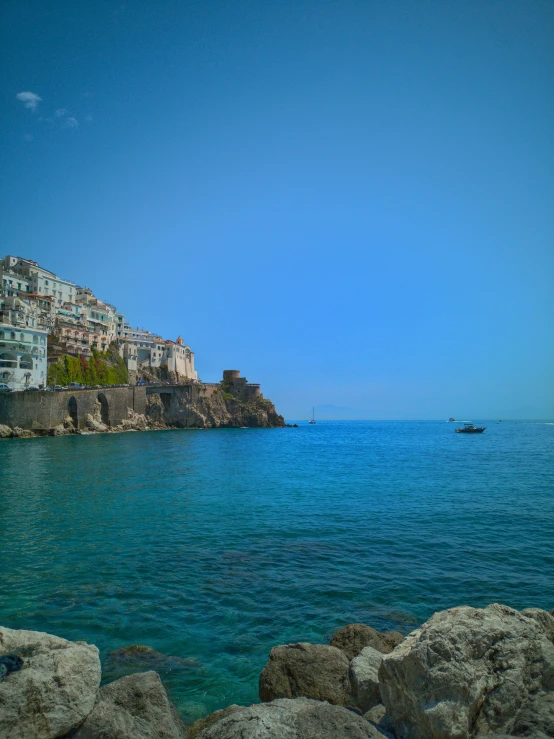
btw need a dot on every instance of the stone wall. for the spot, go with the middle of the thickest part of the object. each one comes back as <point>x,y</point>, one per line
<point>40,411</point>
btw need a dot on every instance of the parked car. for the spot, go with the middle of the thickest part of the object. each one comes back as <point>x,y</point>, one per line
<point>5,388</point>
<point>142,382</point>
<point>34,388</point>
<point>58,387</point>
<point>74,386</point>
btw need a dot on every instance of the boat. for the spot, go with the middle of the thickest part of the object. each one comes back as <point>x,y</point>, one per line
<point>312,420</point>
<point>470,428</point>
<point>451,419</point>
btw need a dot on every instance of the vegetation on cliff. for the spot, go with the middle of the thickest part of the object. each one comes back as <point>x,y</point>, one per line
<point>103,368</point>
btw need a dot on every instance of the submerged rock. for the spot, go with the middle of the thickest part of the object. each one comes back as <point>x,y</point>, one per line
<point>299,718</point>
<point>306,670</point>
<point>55,689</point>
<point>364,679</point>
<point>134,707</point>
<point>353,638</point>
<point>142,657</point>
<point>470,672</point>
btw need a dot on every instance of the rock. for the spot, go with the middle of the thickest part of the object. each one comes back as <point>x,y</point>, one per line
<point>18,433</point>
<point>134,421</point>
<point>55,689</point>
<point>354,637</point>
<point>536,716</point>
<point>5,431</point>
<point>205,723</point>
<point>141,657</point>
<point>545,619</point>
<point>377,716</point>
<point>93,424</point>
<point>306,670</point>
<point>134,707</point>
<point>287,719</point>
<point>467,672</point>
<point>60,430</point>
<point>364,679</point>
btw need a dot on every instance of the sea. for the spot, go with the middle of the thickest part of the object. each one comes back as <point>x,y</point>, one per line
<point>211,546</point>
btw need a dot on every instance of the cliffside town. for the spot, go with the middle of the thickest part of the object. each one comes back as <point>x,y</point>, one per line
<point>57,335</point>
<point>44,318</point>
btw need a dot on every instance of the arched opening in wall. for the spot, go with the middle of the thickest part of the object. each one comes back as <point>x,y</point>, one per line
<point>104,409</point>
<point>26,362</point>
<point>8,360</point>
<point>72,410</point>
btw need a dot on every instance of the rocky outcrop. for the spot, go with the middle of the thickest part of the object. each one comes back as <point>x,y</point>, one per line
<point>470,672</point>
<point>306,670</point>
<point>286,719</point>
<point>5,431</point>
<point>55,689</point>
<point>134,707</point>
<point>353,638</point>
<point>364,679</point>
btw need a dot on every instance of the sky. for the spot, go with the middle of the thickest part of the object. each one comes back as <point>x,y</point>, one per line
<point>352,202</point>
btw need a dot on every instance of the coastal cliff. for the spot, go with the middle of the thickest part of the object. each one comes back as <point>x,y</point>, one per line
<point>233,402</point>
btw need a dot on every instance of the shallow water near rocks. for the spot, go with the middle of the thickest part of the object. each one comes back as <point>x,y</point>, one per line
<point>212,546</point>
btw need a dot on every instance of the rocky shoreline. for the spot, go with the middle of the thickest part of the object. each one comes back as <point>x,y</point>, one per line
<point>466,672</point>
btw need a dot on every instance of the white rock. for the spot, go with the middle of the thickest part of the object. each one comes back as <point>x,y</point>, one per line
<point>55,689</point>
<point>364,678</point>
<point>467,672</point>
<point>134,707</point>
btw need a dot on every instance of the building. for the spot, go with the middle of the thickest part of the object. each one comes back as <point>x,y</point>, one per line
<point>22,356</point>
<point>179,359</point>
<point>23,275</point>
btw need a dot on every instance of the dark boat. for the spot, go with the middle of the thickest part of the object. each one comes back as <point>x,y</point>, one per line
<point>451,419</point>
<point>469,428</point>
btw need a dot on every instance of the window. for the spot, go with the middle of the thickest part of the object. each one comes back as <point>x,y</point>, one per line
<point>35,339</point>
<point>12,335</point>
<point>1,334</point>
<point>42,339</point>
<point>21,337</point>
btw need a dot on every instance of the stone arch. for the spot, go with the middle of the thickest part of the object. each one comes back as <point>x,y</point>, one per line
<point>26,362</point>
<point>104,409</point>
<point>72,410</point>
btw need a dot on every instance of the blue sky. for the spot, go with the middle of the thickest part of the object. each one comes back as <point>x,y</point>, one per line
<point>351,202</point>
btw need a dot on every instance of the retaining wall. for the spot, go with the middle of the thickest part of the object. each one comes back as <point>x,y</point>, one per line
<point>42,410</point>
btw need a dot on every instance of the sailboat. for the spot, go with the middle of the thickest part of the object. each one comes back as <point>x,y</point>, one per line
<point>313,415</point>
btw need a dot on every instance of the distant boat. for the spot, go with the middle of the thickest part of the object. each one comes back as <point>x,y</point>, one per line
<point>451,419</point>
<point>469,428</point>
<point>313,416</point>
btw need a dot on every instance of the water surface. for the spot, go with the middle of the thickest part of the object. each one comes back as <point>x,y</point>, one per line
<point>215,545</point>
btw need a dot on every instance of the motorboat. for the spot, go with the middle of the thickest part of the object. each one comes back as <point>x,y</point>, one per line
<point>470,428</point>
<point>451,419</point>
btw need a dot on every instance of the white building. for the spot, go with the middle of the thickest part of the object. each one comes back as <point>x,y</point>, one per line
<point>28,276</point>
<point>180,359</point>
<point>22,356</point>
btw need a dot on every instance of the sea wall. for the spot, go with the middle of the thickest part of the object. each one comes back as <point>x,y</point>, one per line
<point>189,405</point>
<point>41,411</point>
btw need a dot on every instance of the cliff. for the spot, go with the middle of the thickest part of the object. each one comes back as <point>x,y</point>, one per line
<point>103,368</point>
<point>231,403</point>
<point>208,406</point>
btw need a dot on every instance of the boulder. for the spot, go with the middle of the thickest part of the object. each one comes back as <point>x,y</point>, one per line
<point>545,619</point>
<point>93,424</point>
<point>55,689</point>
<point>19,433</point>
<point>364,679</point>
<point>5,431</point>
<point>300,718</point>
<point>467,672</point>
<point>353,638</point>
<point>134,707</point>
<point>306,670</point>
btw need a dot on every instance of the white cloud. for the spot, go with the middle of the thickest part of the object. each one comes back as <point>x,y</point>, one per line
<point>60,112</point>
<point>29,99</point>
<point>71,122</point>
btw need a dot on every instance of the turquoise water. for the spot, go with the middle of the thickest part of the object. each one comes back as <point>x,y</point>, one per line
<point>215,545</point>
